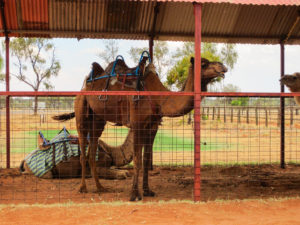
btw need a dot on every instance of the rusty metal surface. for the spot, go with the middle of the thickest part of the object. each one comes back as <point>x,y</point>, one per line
<point>240,21</point>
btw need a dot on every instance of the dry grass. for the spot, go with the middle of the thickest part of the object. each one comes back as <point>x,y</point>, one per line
<point>225,143</point>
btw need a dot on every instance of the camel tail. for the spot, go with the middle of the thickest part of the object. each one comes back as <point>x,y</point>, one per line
<point>64,117</point>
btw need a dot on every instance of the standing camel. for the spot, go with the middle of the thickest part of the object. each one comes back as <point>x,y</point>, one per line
<point>142,116</point>
<point>293,83</point>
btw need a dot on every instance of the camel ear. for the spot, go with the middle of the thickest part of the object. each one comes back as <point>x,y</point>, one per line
<point>204,62</point>
<point>192,60</point>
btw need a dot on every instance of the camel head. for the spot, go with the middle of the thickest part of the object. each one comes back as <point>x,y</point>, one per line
<point>291,81</point>
<point>211,70</point>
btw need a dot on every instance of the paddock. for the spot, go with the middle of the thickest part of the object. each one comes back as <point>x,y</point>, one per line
<point>240,157</point>
<point>225,153</point>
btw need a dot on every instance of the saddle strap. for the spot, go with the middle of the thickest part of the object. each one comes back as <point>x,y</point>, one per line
<point>54,169</point>
<point>65,158</point>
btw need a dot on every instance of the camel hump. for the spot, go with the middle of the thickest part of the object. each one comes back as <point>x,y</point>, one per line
<point>120,67</point>
<point>97,68</point>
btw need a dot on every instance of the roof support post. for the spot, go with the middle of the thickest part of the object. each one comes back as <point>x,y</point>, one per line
<point>151,48</point>
<point>7,104</point>
<point>197,101</point>
<point>152,34</point>
<point>7,84</point>
<point>151,43</point>
<point>282,110</point>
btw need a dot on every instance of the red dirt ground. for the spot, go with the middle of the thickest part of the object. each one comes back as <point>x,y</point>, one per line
<point>218,183</point>
<point>219,213</point>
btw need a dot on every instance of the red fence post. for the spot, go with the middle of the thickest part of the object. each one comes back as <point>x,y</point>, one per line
<point>151,56</point>
<point>282,111</point>
<point>7,104</point>
<point>197,101</point>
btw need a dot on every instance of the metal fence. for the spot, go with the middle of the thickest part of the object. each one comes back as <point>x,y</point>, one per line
<point>239,146</point>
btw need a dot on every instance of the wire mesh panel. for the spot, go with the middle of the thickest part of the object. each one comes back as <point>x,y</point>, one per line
<point>49,177</point>
<point>240,149</point>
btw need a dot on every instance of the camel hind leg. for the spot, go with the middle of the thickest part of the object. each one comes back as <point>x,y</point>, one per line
<point>82,137</point>
<point>148,149</point>
<point>96,131</point>
<point>137,162</point>
<point>83,127</point>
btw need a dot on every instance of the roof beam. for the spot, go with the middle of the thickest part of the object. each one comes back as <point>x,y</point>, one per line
<point>156,11</point>
<point>292,28</point>
<point>152,34</point>
<point>5,31</point>
<point>145,36</point>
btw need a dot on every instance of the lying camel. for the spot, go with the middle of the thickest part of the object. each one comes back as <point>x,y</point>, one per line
<point>141,116</point>
<point>109,157</point>
<point>293,83</point>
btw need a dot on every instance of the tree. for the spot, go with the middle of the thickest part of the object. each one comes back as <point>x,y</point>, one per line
<point>160,55</point>
<point>35,59</point>
<point>179,72</point>
<point>229,55</point>
<point>110,51</point>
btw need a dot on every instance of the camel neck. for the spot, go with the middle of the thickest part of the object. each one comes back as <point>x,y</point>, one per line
<point>174,106</point>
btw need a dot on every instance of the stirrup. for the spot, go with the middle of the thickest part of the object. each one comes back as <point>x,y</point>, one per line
<point>104,98</point>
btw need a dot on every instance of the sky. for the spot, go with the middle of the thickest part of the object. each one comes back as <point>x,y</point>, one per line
<point>257,68</point>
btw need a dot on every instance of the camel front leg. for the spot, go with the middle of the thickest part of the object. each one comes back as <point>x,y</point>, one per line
<point>148,149</point>
<point>137,161</point>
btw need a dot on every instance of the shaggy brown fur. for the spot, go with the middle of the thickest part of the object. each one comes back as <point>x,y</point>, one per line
<point>142,116</point>
<point>293,83</point>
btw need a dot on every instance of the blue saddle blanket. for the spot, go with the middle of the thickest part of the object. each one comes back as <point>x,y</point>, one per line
<point>41,161</point>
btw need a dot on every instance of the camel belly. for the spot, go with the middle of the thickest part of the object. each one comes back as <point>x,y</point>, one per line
<point>115,109</point>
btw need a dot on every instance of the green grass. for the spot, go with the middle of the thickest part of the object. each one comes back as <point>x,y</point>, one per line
<point>164,141</point>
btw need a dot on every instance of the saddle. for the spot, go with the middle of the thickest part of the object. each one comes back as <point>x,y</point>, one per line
<point>118,71</point>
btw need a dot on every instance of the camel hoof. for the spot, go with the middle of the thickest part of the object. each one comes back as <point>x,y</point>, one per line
<point>100,188</point>
<point>135,195</point>
<point>83,189</point>
<point>149,193</point>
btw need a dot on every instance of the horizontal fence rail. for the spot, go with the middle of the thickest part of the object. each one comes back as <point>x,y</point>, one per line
<point>151,93</point>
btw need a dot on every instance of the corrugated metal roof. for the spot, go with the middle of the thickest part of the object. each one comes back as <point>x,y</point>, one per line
<point>232,21</point>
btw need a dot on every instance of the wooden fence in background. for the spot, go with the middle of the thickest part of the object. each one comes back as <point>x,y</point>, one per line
<point>252,114</point>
